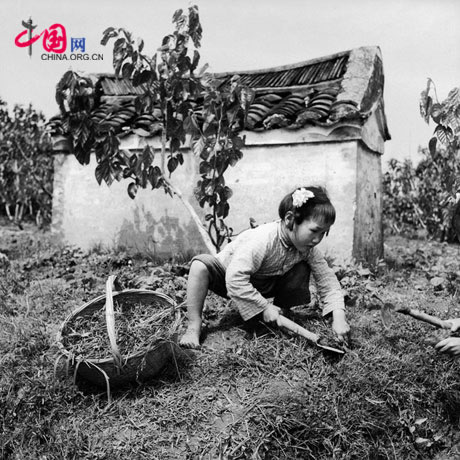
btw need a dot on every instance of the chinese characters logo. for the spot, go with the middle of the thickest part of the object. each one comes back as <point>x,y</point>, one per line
<point>54,42</point>
<point>54,38</point>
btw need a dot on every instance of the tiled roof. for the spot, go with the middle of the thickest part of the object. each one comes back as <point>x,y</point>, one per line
<point>324,91</point>
<point>307,73</point>
<point>112,86</point>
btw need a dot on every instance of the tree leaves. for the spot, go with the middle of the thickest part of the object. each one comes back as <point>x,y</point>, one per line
<point>432,145</point>
<point>436,112</point>
<point>178,17</point>
<point>227,193</point>
<point>155,176</point>
<point>172,164</point>
<point>195,29</point>
<point>108,33</point>
<point>452,103</point>
<point>173,101</point>
<point>444,134</point>
<point>446,115</point>
<point>174,144</point>
<point>191,126</point>
<point>132,190</point>
<point>104,172</point>
<point>148,154</point>
<point>195,61</point>
<point>143,77</point>
<point>74,93</point>
<point>127,69</point>
<point>205,168</point>
<point>198,145</point>
<point>425,107</point>
<point>140,45</point>
<point>426,101</point>
<point>246,97</point>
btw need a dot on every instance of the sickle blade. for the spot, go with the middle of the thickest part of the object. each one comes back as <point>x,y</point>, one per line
<point>334,350</point>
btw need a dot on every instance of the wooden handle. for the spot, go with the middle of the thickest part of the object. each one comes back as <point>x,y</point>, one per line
<point>434,320</point>
<point>110,320</point>
<point>282,321</point>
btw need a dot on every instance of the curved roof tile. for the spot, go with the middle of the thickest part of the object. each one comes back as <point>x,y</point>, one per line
<point>343,86</point>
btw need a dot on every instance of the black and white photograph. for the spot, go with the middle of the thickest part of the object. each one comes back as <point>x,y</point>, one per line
<point>230,230</point>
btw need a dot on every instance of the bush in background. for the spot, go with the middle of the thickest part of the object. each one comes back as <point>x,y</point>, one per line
<point>419,199</point>
<point>26,165</point>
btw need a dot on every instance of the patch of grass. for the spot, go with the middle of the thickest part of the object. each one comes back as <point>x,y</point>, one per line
<point>251,392</point>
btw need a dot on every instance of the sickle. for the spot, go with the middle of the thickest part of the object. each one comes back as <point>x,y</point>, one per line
<point>282,321</point>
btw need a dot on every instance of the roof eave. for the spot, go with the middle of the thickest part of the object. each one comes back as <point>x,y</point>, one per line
<point>282,67</point>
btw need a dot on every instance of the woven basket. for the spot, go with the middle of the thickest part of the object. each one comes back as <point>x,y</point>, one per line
<point>120,370</point>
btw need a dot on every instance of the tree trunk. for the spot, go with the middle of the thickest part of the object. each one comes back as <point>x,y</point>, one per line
<point>8,212</point>
<point>18,211</point>
<point>201,228</point>
<point>196,218</point>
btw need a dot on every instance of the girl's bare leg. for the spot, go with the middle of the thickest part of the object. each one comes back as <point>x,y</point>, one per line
<point>197,289</point>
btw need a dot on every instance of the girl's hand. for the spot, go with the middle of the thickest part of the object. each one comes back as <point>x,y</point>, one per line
<point>455,322</point>
<point>271,313</point>
<point>340,326</point>
<point>451,346</point>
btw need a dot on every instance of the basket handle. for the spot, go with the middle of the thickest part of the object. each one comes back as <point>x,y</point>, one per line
<point>110,320</point>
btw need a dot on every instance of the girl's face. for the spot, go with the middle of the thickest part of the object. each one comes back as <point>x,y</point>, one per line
<point>307,234</point>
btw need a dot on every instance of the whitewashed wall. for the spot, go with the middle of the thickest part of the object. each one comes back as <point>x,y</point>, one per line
<point>86,214</point>
<point>267,173</point>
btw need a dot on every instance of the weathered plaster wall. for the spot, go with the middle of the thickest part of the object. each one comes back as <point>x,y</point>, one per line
<point>86,214</point>
<point>368,234</point>
<point>267,173</point>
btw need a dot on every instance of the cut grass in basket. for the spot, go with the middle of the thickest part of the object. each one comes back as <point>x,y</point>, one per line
<point>137,326</point>
<point>128,339</point>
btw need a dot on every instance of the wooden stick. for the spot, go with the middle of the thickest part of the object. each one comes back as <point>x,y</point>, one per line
<point>434,320</point>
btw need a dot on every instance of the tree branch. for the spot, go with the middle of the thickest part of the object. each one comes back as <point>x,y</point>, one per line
<point>204,234</point>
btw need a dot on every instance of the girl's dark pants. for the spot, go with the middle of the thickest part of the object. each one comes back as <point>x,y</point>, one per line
<point>288,290</point>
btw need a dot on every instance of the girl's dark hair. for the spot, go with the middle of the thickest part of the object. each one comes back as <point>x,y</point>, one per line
<point>318,207</point>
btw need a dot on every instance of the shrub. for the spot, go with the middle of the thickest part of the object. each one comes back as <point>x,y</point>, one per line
<point>26,165</point>
<point>419,197</point>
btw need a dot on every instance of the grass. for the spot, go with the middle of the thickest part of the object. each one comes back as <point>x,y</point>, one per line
<point>251,392</point>
<point>86,335</point>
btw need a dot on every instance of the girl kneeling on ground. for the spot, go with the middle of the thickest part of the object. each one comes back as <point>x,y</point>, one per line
<point>274,260</point>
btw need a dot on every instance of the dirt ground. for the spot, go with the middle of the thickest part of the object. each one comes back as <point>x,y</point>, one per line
<point>251,391</point>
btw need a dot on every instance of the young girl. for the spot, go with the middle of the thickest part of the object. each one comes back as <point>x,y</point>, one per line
<point>272,260</point>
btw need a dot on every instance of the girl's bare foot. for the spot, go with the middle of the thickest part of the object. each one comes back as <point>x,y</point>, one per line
<point>191,338</point>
